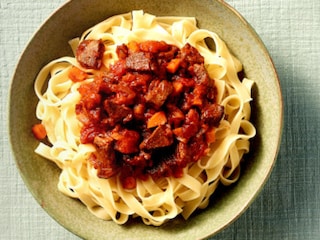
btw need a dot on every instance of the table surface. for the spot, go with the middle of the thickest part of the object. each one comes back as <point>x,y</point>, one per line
<point>289,205</point>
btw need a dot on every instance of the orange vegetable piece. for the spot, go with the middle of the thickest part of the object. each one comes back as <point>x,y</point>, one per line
<point>77,75</point>
<point>173,65</point>
<point>159,118</point>
<point>138,110</point>
<point>177,87</point>
<point>39,131</point>
<point>129,182</point>
<point>178,132</point>
<point>133,47</point>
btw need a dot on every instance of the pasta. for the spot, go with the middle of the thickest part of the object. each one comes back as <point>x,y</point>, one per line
<point>154,200</point>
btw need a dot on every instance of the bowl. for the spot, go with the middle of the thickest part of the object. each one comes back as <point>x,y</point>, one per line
<point>227,203</point>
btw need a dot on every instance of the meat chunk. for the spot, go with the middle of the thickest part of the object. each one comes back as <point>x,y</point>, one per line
<point>190,55</point>
<point>212,114</point>
<point>122,51</point>
<point>160,137</point>
<point>200,73</point>
<point>182,153</point>
<point>103,141</point>
<point>90,53</point>
<point>158,92</point>
<point>142,159</point>
<point>104,159</point>
<point>123,94</point>
<point>117,112</point>
<point>138,61</point>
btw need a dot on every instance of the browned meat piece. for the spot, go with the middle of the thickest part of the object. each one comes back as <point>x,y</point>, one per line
<point>200,73</point>
<point>197,147</point>
<point>212,114</point>
<point>122,51</point>
<point>103,141</point>
<point>170,53</point>
<point>143,159</point>
<point>182,153</point>
<point>104,159</point>
<point>90,53</point>
<point>123,94</point>
<point>158,92</point>
<point>117,112</point>
<point>138,61</point>
<point>160,137</point>
<point>168,162</point>
<point>191,55</point>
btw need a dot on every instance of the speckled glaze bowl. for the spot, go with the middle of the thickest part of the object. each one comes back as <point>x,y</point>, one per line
<point>41,176</point>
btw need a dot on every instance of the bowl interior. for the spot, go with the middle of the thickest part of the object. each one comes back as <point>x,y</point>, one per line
<point>41,176</point>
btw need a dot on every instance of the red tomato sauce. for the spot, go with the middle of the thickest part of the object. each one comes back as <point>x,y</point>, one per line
<point>150,113</point>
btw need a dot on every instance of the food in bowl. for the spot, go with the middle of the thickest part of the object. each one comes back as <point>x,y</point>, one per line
<point>146,119</point>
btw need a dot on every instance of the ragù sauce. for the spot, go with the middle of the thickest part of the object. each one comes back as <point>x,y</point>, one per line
<point>150,113</point>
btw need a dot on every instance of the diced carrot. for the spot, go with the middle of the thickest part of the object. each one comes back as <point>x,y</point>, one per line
<point>173,65</point>
<point>210,135</point>
<point>159,118</point>
<point>138,110</point>
<point>129,182</point>
<point>133,47</point>
<point>177,87</point>
<point>178,132</point>
<point>197,101</point>
<point>39,131</point>
<point>153,46</point>
<point>77,75</point>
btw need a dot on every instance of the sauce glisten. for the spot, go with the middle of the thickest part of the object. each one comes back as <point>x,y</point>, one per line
<point>150,113</point>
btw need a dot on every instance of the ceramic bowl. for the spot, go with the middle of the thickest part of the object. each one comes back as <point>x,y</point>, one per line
<point>227,204</point>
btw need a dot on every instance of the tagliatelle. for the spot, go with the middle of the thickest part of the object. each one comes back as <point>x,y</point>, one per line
<point>155,201</point>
